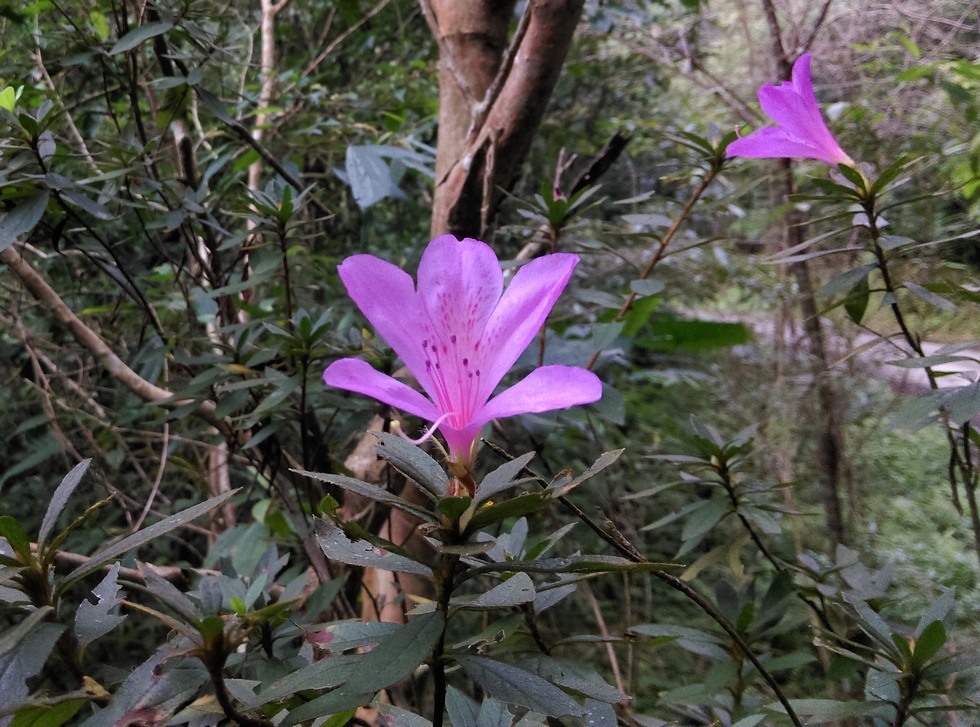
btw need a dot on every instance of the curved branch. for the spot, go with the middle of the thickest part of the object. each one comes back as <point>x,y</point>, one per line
<point>91,341</point>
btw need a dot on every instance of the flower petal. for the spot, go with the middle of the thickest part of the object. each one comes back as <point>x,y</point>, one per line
<point>793,106</point>
<point>773,142</point>
<point>353,374</point>
<point>460,283</point>
<point>522,311</point>
<point>544,389</point>
<point>386,296</point>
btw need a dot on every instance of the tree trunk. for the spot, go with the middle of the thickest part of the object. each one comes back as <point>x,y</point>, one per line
<point>492,98</point>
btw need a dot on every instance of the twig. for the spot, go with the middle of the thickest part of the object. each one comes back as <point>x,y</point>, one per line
<point>90,340</point>
<point>610,649</point>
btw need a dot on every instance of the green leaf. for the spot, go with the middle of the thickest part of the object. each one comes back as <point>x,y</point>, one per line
<point>8,98</point>
<point>48,716</point>
<point>169,594</point>
<point>561,485</point>
<point>413,463</point>
<point>963,402</point>
<point>513,507</point>
<point>135,540</point>
<point>323,674</point>
<point>921,362</point>
<point>23,652</point>
<point>573,676</point>
<point>893,242</point>
<point>60,499</point>
<point>929,297</point>
<point>139,35</point>
<point>398,655</point>
<point>928,644</point>
<point>502,478</point>
<point>17,537</point>
<point>646,287</point>
<point>888,174</point>
<point>693,640</point>
<point>454,507</point>
<point>371,492</point>
<point>99,23</point>
<point>821,711</point>
<point>843,282</point>
<point>336,545</point>
<point>338,700</point>
<point>639,314</point>
<point>369,176</point>
<point>516,686</point>
<point>938,610</point>
<point>856,304</point>
<point>494,713</point>
<point>462,710</point>
<point>93,620</point>
<point>705,517</point>
<point>22,218</point>
<point>672,335</point>
<point>852,175</point>
<point>514,591</point>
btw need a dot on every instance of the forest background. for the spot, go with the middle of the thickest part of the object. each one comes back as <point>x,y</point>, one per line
<point>788,353</point>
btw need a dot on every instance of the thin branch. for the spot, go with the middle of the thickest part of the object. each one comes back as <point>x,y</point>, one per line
<point>91,341</point>
<point>817,24</point>
<point>325,53</point>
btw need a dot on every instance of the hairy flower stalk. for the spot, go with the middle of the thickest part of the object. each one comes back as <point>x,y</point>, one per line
<point>459,332</point>
<point>800,131</point>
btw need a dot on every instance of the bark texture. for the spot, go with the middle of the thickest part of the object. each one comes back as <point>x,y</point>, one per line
<point>492,98</point>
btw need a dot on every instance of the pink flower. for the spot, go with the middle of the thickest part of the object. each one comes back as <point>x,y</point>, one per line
<point>459,333</point>
<point>801,131</point>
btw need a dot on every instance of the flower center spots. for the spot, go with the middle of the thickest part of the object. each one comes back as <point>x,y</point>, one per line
<point>456,382</point>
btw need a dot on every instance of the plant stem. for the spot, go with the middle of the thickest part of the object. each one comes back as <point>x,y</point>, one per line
<point>629,551</point>
<point>444,586</point>
<point>962,463</point>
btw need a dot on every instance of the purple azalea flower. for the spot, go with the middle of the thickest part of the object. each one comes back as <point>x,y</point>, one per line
<point>459,333</point>
<point>800,130</point>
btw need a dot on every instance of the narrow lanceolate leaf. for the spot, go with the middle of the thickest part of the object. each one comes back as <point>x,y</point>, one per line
<point>929,297</point>
<point>323,674</point>
<point>413,463</point>
<point>562,486</point>
<point>93,620</point>
<point>139,35</point>
<point>928,644</point>
<point>398,655</point>
<point>462,710</point>
<point>21,219</point>
<point>60,499</point>
<point>337,546</point>
<point>516,686</point>
<point>502,478</point>
<point>514,591</point>
<point>23,651</point>
<point>120,547</point>
<point>372,492</point>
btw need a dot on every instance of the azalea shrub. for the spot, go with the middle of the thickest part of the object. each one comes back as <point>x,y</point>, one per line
<point>500,486</point>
